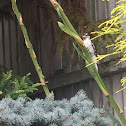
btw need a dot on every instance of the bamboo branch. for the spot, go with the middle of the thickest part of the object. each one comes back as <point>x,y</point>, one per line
<point>69,29</point>
<point>29,46</point>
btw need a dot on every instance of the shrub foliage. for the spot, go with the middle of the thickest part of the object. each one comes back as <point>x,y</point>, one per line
<point>78,111</point>
<point>13,86</point>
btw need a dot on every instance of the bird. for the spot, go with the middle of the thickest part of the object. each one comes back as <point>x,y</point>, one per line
<point>90,47</point>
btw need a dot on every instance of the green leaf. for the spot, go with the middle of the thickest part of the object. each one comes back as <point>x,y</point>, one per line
<point>68,31</point>
<point>115,121</point>
<point>65,19</point>
<point>36,85</point>
<point>79,52</point>
<point>1,92</point>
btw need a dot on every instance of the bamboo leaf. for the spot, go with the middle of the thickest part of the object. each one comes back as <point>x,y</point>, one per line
<point>115,121</point>
<point>79,52</point>
<point>65,18</point>
<point>68,31</point>
<point>1,92</point>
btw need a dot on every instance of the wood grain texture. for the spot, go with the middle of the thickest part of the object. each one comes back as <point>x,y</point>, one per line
<point>117,86</point>
<point>1,44</point>
<point>7,47</point>
<point>106,103</point>
<point>14,47</point>
<point>87,86</point>
<point>124,93</point>
<point>97,95</point>
<point>4,2</point>
<point>101,10</point>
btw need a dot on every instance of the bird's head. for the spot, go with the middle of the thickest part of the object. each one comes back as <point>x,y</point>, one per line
<point>86,35</point>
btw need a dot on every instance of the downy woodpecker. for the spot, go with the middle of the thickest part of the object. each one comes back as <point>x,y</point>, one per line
<point>90,46</point>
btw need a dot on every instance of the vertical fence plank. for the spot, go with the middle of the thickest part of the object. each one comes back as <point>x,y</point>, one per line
<point>111,5</point>
<point>32,25</point>
<point>7,44</point>
<point>22,52</point>
<point>42,47</point>
<point>68,93</point>
<point>75,63</point>
<point>117,86</point>
<point>124,93</point>
<point>59,94</point>
<point>76,87</point>
<point>106,102</point>
<point>101,10</point>
<point>97,95</point>
<point>57,61</point>
<point>14,49</point>
<point>66,62</point>
<point>87,87</point>
<point>1,44</point>
<point>46,42</point>
<point>91,8</point>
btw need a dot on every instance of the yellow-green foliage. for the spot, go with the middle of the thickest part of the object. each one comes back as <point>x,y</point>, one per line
<point>115,26</point>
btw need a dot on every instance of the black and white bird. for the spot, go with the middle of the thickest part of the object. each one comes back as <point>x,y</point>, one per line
<point>90,46</point>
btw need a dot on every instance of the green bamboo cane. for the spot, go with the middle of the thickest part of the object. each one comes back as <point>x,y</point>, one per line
<point>69,29</point>
<point>29,46</point>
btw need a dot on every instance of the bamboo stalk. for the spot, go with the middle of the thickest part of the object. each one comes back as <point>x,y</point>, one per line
<point>29,46</point>
<point>87,57</point>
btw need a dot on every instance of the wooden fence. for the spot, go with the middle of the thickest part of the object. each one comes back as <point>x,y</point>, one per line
<point>14,54</point>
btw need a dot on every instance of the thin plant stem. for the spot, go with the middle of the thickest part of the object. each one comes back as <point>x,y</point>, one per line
<point>29,46</point>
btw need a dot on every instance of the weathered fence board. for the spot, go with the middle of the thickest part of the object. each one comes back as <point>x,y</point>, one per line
<point>124,93</point>
<point>111,5</point>
<point>14,46</point>
<point>87,86</point>
<point>1,44</point>
<point>116,87</point>
<point>7,46</point>
<point>109,84</point>
<point>97,95</point>
<point>76,87</point>
<point>101,10</point>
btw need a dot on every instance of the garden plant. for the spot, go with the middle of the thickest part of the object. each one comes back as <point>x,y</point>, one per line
<point>13,86</point>
<point>74,112</point>
<point>115,26</point>
<point>78,111</point>
<point>67,27</point>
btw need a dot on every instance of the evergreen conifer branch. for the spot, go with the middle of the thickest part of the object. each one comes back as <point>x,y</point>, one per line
<point>14,86</point>
<point>77,111</point>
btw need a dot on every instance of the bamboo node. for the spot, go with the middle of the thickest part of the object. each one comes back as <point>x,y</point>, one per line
<point>105,93</point>
<point>27,45</point>
<point>121,111</point>
<point>34,55</point>
<point>20,20</point>
<point>80,41</point>
<point>54,2</point>
<point>43,83</point>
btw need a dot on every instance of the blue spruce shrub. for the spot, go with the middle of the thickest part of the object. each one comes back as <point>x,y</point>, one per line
<point>78,111</point>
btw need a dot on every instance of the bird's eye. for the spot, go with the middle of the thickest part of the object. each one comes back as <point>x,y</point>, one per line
<point>86,34</point>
